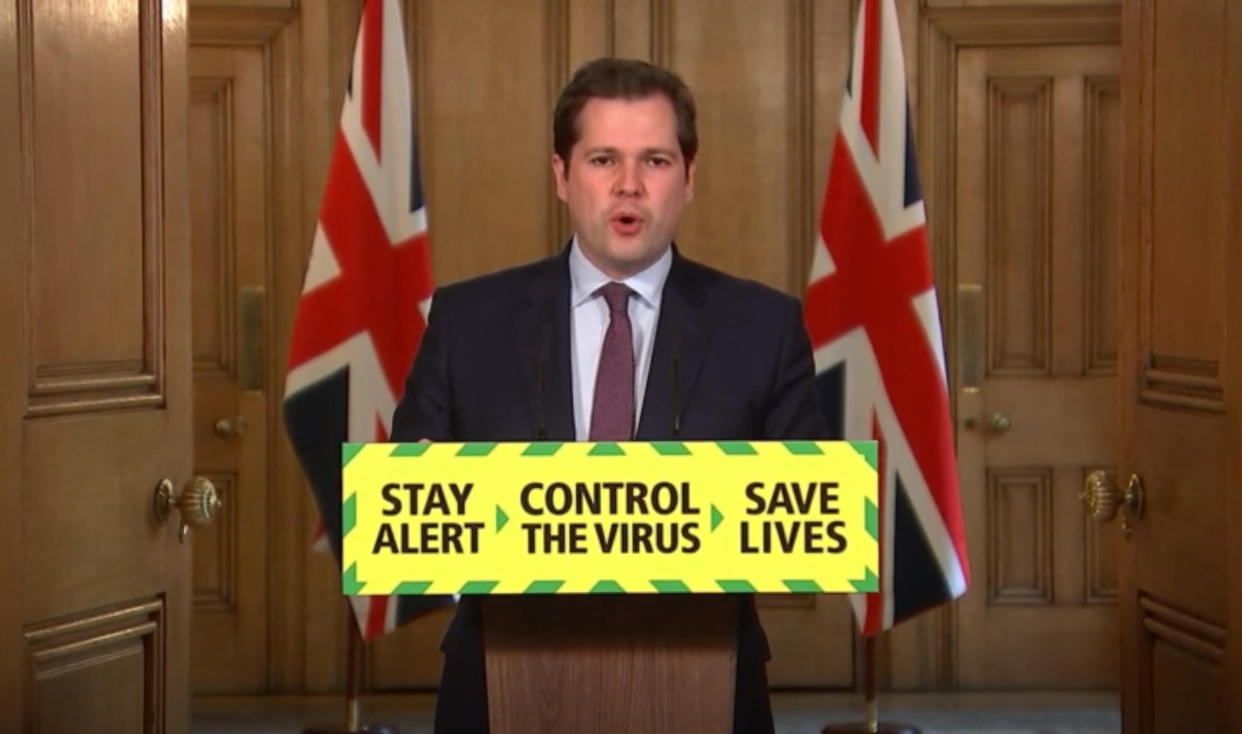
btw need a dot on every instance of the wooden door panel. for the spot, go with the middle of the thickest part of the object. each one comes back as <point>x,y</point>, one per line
<point>1036,140</point>
<point>1075,409</point>
<point>1178,505</point>
<point>108,663</point>
<point>1182,679</point>
<point>1182,682</point>
<point>230,209</point>
<point>95,382</point>
<point>96,267</point>
<point>93,498</point>
<point>1179,404</point>
<point>86,133</point>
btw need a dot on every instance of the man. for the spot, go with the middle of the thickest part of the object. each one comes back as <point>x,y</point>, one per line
<point>618,337</point>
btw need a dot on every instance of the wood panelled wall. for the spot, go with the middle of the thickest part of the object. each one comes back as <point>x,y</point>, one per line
<point>768,79</point>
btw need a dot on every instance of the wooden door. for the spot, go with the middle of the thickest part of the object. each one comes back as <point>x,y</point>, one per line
<point>229,235</point>
<point>1038,143</point>
<point>1181,366</point>
<point>94,383</point>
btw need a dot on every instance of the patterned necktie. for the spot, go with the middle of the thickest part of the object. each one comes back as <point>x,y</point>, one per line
<point>612,411</point>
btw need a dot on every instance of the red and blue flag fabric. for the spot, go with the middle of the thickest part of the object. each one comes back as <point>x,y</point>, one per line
<point>871,312</point>
<point>367,289</point>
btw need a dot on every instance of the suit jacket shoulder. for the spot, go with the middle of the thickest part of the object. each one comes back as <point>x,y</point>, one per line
<point>728,294</point>
<point>731,360</point>
<point>483,295</point>
<point>489,366</point>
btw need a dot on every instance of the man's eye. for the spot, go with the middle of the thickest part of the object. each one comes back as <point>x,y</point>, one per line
<point>600,160</point>
<point>658,161</point>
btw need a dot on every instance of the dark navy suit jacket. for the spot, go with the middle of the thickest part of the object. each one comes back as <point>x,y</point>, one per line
<point>731,360</point>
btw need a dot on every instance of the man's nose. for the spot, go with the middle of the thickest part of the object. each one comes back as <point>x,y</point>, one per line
<point>629,180</point>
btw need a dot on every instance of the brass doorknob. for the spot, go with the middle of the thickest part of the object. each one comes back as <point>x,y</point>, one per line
<point>996,423</point>
<point>999,423</point>
<point>197,503</point>
<point>227,427</point>
<point>1103,498</point>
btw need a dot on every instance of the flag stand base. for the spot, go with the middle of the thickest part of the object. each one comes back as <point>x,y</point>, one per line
<point>353,671</point>
<point>872,724</point>
<point>366,729</point>
<point>860,727</point>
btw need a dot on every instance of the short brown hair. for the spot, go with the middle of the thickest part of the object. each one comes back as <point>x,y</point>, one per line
<point>630,79</point>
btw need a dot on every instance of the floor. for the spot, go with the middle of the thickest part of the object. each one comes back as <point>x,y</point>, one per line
<point>796,713</point>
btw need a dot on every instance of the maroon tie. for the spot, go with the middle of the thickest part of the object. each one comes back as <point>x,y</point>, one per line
<point>612,411</point>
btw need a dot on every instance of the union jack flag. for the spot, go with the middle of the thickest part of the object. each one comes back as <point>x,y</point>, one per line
<point>871,313</point>
<point>367,289</point>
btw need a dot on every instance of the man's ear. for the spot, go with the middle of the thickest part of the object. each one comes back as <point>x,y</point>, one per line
<point>559,172</point>
<point>690,169</point>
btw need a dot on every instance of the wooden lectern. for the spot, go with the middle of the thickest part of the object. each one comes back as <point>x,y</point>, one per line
<point>610,663</point>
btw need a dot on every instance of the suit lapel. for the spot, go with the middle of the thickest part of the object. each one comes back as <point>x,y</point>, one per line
<point>543,351</point>
<point>680,343</point>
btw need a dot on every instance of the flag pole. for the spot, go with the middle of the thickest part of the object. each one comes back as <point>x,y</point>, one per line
<point>871,723</point>
<point>353,676</point>
<point>353,655</point>
<point>871,711</point>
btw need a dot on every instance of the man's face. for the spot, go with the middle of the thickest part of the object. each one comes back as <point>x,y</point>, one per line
<point>625,183</point>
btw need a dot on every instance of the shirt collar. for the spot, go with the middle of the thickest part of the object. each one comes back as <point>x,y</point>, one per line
<point>585,278</point>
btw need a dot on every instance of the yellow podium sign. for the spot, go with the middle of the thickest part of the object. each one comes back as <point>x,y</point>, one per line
<point>580,517</point>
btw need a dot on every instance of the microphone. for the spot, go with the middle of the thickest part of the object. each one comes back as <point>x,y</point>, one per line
<point>676,382</point>
<point>541,359</point>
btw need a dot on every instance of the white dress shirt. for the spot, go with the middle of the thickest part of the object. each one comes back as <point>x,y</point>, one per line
<point>589,319</point>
